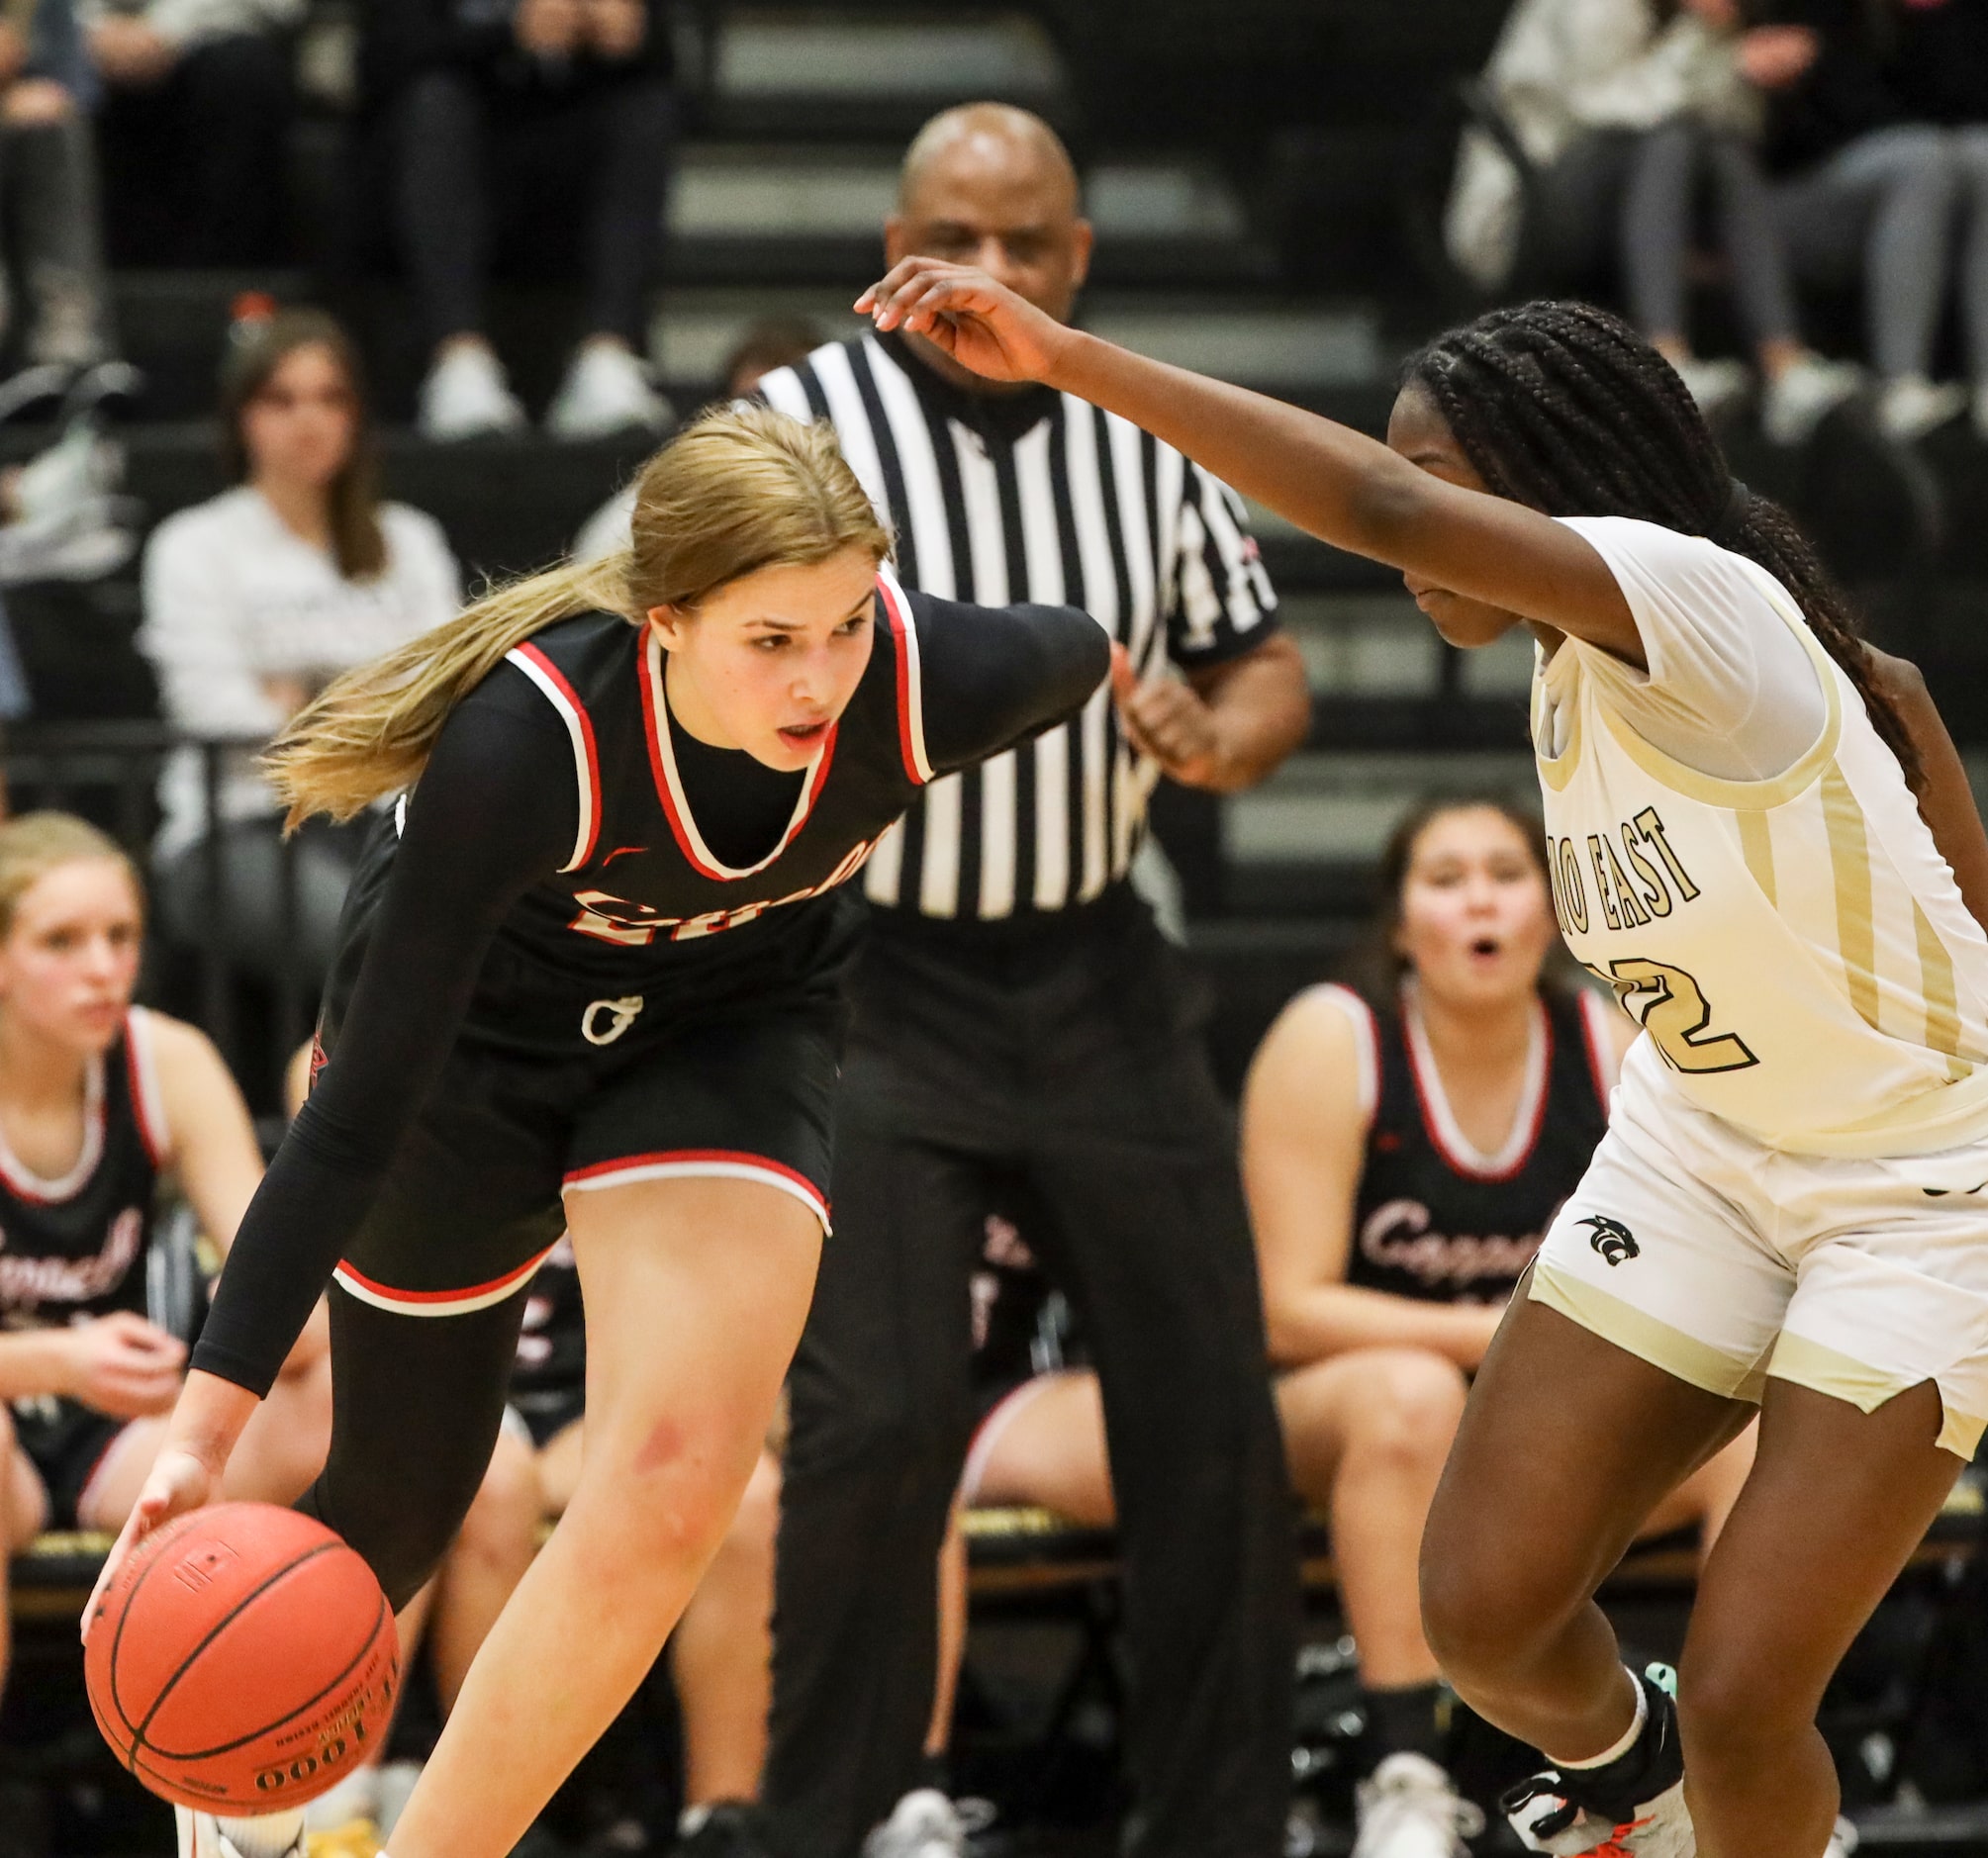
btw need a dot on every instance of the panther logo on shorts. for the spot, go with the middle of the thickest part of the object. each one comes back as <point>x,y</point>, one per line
<point>1611,1238</point>
<point>620,1016</point>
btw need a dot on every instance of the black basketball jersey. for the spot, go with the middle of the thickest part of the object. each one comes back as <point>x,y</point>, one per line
<point>1438,1219</point>
<point>75,1247</point>
<point>640,875</point>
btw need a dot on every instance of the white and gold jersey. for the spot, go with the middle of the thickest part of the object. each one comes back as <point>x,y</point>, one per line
<point>1796,948</point>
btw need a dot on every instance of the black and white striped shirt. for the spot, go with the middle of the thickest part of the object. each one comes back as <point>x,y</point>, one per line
<point>1035,496</point>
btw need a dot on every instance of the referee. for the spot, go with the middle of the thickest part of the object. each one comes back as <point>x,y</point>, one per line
<point>1021,1040</point>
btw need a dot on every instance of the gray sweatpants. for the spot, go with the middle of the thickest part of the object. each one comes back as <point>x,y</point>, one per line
<point>1633,196</point>
<point>1878,211</point>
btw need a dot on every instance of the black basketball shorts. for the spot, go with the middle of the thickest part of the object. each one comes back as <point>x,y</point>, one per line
<point>475,1198</point>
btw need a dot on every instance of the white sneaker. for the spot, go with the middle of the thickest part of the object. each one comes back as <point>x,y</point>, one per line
<point>466,396</point>
<point>1408,1808</point>
<point>1805,392</point>
<point>1714,385</point>
<point>924,1825</point>
<point>1911,405</point>
<point>1842,1841</point>
<point>606,389</point>
<point>200,1836</point>
<point>1547,1822</point>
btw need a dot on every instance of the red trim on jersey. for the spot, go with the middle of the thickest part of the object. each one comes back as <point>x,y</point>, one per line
<point>692,1161</point>
<point>682,828</point>
<point>910,691</point>
<point>558,678</point>
<point>433,1298</point>
<point>1432,1124</point>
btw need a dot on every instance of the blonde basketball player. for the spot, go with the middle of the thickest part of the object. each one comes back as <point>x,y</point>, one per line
<point>1756,826</point>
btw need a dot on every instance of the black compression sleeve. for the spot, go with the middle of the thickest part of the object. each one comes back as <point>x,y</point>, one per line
<point>495,810</point>
<point>994,676</point>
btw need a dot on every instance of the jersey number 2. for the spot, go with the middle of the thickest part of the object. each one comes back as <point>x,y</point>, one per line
<point>1670,1006</point>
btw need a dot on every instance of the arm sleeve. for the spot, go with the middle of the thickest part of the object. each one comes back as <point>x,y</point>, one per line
<point>1730,690</point>
<point>192,635</point>
<point>503,757</point>
<point>1222,602</point>
<point>994,676</point>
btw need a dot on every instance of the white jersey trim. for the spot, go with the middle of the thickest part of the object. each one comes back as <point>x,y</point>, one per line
<point>911,688</point>
<point>22,1180</point>
<point>1366,1041</point>
<point>580,732</point>
<point>1456,1147</point>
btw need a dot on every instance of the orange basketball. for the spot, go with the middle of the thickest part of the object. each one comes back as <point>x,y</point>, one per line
<point>243,1659</point>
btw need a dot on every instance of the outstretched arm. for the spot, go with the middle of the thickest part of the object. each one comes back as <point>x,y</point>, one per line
<point>1331,481</point>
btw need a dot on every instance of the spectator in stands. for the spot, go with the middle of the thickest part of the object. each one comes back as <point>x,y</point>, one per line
<point>1405,1147</point>
<point>256,599</point>
<point>1862,194</point>
<point>48,180</point>
<point>1940,71</point>
<point>543,122</point>
<point>99,1101</point>
<point>1622,107</point>
<point>197,103</point>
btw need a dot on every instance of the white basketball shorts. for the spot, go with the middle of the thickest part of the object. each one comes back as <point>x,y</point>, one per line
<point>1724,1262</point>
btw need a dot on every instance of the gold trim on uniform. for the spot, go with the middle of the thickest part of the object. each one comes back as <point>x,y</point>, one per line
<point>1695,1363</point>
<point>1850,866</point>
<point>1936,984</point>
<point>1826,1370</point>
<point>1556,770</point>
<point>1757,847</point>
<point>1761,796</point>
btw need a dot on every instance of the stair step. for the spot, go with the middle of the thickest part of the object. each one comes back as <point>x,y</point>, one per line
<point>858,76</point>
<point>806,55</point>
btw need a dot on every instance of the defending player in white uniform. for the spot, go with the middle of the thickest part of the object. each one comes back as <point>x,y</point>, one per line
<point>1764,842</point>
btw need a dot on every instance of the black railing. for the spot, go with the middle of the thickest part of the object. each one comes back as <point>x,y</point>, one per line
<point>110,772</point>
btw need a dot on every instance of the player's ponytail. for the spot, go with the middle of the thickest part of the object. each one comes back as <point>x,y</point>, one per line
<point>738,490</point>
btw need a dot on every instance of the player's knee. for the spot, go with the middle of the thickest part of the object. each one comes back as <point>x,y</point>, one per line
<point>1408,1413</point>
<point>1734,1707</point>
<point>1483,1611</point>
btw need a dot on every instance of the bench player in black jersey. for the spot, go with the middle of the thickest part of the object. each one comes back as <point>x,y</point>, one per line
<point>1405,1144</point>
<point>593,957</point>
<point>98,1099</point>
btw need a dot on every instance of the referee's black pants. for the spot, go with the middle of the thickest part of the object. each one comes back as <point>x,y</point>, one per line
<point>1055,1075</point>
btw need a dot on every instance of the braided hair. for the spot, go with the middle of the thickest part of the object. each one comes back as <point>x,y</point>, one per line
<point>1564,407</point>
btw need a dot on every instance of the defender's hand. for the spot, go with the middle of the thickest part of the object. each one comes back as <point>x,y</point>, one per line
<point>981,324</point>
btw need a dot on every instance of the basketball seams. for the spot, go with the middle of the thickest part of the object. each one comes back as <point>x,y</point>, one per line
<point>159,1542</point>
<point>270,1728</point>
<point>221,1625</point>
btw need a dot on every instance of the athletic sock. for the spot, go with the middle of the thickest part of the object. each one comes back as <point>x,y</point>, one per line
<point>1407,1720</point>
<point>266,1835</point>
<point>1647,1762</point>
<point>935,1772</point>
